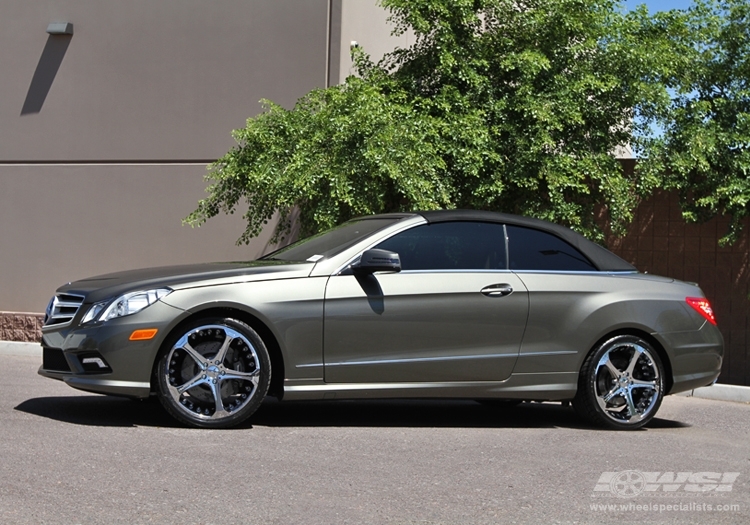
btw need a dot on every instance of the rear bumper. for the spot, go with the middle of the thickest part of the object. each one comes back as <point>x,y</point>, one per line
<point>695,357</point>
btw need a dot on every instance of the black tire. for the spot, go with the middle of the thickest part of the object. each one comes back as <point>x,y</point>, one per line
<point>621,384</point>
<point>202,388</point>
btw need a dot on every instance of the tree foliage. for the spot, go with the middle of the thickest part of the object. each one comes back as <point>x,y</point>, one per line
<point>506,105</point>
<point>704,151</point>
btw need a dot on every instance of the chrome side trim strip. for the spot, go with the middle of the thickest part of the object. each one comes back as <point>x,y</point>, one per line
<point>106,382</point>
<point>420,360</point>
<point>387,386</point>
<point>560,352</point>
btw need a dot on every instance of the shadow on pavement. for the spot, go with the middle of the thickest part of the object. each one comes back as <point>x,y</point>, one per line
<point>110,411</point>
<point>100,411</point>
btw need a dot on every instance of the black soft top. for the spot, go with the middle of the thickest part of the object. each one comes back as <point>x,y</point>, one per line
<point>600,257</point>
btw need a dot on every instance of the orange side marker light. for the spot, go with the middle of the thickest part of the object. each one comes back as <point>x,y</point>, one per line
<point>144,334</point>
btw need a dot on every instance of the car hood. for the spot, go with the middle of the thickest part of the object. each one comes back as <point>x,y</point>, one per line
<point>102,287</point>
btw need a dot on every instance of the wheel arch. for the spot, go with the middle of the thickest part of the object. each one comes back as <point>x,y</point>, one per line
<point>276,387</point>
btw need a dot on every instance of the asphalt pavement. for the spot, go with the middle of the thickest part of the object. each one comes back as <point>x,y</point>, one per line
<point>68,457</point>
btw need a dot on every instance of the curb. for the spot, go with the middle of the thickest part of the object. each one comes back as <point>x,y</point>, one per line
<point>718,391</point>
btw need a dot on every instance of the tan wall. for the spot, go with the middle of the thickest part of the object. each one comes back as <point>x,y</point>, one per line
<point>96,174</point>
<point>61,223</point>
<point>365,22</point>
<point>153,79</point>
<point>92,174</point>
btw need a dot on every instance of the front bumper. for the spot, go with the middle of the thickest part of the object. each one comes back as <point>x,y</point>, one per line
<point>100,357</point>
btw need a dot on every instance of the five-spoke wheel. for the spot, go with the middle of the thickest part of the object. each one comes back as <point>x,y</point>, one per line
<point>621,384</point>
<point>214,373</point>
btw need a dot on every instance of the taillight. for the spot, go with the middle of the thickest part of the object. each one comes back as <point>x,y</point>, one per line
<point>703,307</point>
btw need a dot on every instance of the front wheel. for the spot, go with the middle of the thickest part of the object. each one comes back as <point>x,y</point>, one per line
<point>214,373</point>
<point>621,385</point>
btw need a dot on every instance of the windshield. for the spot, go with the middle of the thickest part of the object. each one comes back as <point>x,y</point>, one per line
<point>331,242</point>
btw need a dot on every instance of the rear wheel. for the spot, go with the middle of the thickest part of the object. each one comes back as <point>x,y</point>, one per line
<point>621,385</point>
<point>213,373</point>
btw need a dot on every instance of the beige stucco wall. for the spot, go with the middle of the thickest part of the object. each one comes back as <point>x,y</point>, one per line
<point>61,223</point>
<point>144,93</point>
<point>366,22</point>
<point>153,79</point>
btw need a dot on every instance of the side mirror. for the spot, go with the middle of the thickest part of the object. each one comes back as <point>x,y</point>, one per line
<point>378,261</point>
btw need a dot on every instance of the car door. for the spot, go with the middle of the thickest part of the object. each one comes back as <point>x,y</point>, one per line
<point>454,312</point>
<point>563,286</point>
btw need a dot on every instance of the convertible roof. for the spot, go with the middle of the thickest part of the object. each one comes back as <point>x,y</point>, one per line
<point>602,258</point>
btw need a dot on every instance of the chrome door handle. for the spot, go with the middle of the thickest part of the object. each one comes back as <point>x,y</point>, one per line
<point>497,290</point>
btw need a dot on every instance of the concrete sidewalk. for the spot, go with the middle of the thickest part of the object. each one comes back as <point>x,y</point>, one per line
<point>14,348</point>
<point>737,394</point>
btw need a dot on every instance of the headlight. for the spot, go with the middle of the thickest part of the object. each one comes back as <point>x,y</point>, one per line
<point>127,304</point>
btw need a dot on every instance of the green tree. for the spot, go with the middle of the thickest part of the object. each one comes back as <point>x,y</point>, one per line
<point>704,152</point>
<point>507,105</point>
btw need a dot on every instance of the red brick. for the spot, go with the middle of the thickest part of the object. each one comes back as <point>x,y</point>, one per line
<point>645,227</point>
<point>661,228</point>
<point>708,229</point>
<point>661,212</point>
<point>723,289</point>
<point>630,242</point>
<point>739,260</point>
<point>708,244</point>
<point>628,255</point>
<point>661,244</point>
<point>644,259</point>
<point>660,267</point>
<point>676,244</point>
<point>723,274</point>
<point>692,244</point>
<point>675,258</point>
<point>738,314</point>
<point>676,272</point>
<point>645,243</point>
<point>708,259</point>
<point>692,229</point>
<point>692,258</point>
<point>723,260</point>
<point>708,275</point>
<point>692,273</point>
<point>676,228</point>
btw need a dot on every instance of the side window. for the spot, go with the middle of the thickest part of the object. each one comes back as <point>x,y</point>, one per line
<point>531,249</point>
<point>450,246</point>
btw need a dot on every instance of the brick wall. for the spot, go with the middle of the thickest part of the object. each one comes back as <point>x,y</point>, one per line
<point>25,327</point>
<point>660,242</point>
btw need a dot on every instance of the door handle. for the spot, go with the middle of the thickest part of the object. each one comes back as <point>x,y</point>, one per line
<point>497,290</point>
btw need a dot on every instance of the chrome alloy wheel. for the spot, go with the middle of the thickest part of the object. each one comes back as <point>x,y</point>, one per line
<point>212,373</point>
<point>628,383</point>
<point>621,385</point>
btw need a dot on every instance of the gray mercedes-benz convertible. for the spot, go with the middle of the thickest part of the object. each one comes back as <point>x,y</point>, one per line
<point>443,304</point>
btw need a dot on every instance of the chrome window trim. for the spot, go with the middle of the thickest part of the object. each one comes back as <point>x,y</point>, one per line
<point>576,272</point>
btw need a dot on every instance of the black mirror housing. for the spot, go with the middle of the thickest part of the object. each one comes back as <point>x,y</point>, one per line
<point>378,261</point>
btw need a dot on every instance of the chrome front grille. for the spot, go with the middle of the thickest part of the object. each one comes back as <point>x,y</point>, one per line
<point>62,309</point>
